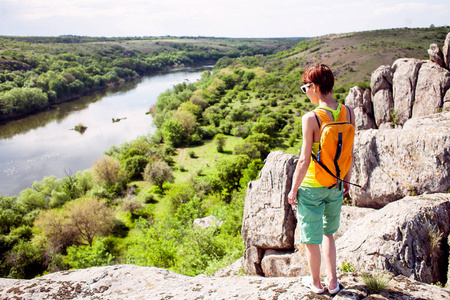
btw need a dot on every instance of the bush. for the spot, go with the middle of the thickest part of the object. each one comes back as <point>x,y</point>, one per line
<point>85,256</point>
<point>158,172</point>
<point>220,140</point>
<point>134,167</point>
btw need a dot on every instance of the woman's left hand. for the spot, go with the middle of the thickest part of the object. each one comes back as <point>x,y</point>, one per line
<point>292,198</point>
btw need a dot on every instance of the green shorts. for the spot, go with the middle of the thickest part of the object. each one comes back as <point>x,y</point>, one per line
<point>318,212</point>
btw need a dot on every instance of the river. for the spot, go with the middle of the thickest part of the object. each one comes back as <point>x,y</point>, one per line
<point>44,144</point>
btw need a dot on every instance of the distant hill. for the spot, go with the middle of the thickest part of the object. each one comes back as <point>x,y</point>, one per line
<point>354,56</point>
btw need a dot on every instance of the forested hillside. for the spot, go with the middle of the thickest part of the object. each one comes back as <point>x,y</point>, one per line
<point>137,204</point>
<point>39,71</point>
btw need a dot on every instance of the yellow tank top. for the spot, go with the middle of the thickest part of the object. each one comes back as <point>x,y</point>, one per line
<point>310,178</point>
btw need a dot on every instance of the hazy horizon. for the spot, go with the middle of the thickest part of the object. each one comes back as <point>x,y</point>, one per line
<point>201,18</point>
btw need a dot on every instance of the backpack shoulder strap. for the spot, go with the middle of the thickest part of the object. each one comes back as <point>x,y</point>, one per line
<point>323,116</point>
<point>343,113</point>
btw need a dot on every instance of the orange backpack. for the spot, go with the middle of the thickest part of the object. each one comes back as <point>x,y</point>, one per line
<point>334,157</point>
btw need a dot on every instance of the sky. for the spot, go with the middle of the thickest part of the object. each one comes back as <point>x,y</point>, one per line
<point>218,18</point>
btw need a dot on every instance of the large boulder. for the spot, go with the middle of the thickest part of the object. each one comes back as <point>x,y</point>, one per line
<point>432,84</point>
<point>361,102</point>
<point>436,55</point>
<point>383,103</point>
<point>269,220</point>
<point>406,237</point>
<point>404,87</point>
<point>392,164</point>
<point>446,51</point>
<point>381,79</point>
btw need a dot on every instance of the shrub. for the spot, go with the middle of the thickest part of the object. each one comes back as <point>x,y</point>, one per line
<point>220,140</point>
<point>158,172</point>
<point>134,166</point>
<point>85,256</point>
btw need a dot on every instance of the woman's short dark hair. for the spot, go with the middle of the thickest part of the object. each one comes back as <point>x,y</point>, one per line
<point>320,75</point>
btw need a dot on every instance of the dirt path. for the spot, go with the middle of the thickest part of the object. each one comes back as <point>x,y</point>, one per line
<point>182,155</point>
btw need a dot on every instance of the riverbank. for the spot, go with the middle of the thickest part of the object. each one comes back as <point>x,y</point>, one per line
<point>4,119</point>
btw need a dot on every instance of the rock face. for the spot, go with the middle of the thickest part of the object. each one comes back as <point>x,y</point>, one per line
<point>404,87</point>
<point>446,106</point>
<point>446,51</point>
<point>405,237</point>
<point>436,55</point>
<point>269,221</point>
<point>133,282</point>
<point>392,164</point>
<point>361,102</point>
<point>432,83</point>
<point>383,103</point>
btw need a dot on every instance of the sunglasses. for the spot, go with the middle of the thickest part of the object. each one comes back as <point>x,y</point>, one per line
<point>303,87</point>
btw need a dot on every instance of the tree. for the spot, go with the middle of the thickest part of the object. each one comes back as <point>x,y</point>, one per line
<point>186,119</point>
<point>134,166</point>
<point>172,131</point>
<point>158,172</point>
<point>230,172</point>
<point>78,222</point>
<point>220,140</point>
<point>107,169</point>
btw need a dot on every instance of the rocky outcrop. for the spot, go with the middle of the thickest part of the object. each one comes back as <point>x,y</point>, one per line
<point>392,164</point>
<point>269,221</point>
<point>446,51</point>
<point>404,87</point>
<point>383,103</point>
<point>361,102</point>
<point>436,55</point>
<point>405,237</point>
<point>432,83</point>
<point>408,88</point>
<point>133,282</point>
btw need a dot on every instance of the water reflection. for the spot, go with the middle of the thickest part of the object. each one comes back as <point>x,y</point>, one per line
<point>61,111</point>
<point>44,144</point>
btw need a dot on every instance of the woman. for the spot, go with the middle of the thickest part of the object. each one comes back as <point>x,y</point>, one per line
<point>318,207</point>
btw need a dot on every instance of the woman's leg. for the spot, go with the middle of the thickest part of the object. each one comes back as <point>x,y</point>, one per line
<point>329,251</point>
<point>313,256</point>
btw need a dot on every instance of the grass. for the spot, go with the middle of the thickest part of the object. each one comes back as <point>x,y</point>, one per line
<point>354,56</point>
<point>206,156</point>
<point>375,283</point>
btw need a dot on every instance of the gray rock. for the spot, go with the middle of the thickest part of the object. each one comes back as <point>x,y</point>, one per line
<point>432,83</point>
<point>349,215</point>
<point>381,79</point>
<point>391,164</point>
<point>436,55</point>
<point>404,238</point>
<point>361,102</point>
<point>404,83</point>
<point>446,105</point>
<point>446,51</point>
<point>269,221</point>
<point>383,106</point>
<point>207,222</point>
<point>134,282</point>
<point>234,269</point>
<point>284,263</point>
<point>252,260</point>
